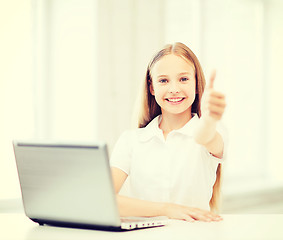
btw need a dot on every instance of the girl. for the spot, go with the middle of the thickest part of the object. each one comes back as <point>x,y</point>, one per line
<point>173,159</point>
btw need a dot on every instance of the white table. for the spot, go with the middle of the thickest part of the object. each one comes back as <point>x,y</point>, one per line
<point>267,227</point>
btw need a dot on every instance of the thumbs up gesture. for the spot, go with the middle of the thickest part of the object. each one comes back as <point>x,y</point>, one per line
<point>213,103</point>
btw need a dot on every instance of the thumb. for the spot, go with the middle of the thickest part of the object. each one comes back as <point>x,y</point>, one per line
<point>212,78</point>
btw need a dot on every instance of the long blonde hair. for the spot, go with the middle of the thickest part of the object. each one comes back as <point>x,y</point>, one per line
<point>149,109</point>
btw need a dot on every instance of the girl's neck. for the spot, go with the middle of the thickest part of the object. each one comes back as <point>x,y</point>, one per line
<point>172,122</point>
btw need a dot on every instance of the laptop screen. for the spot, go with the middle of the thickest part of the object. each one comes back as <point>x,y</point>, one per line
<point>66,182</point>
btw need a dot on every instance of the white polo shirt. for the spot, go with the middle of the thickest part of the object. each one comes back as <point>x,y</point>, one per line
<point>175,170</point>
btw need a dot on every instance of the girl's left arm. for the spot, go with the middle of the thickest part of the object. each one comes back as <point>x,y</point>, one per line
<point>212,106</point>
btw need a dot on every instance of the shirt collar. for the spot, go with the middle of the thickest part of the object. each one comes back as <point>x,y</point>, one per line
<point>153,130</point>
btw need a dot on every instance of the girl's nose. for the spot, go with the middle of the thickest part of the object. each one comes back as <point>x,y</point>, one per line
<point>174,88</point>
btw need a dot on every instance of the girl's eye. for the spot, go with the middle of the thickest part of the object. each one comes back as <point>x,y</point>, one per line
<point>163,80</point>
<point>184,79</point>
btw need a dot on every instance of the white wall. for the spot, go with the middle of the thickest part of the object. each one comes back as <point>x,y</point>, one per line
<point>16,95</point>
<point>274,85</point>
<point>65,65</point>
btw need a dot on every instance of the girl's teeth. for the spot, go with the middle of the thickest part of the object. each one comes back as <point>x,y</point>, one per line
<point>175,100</point>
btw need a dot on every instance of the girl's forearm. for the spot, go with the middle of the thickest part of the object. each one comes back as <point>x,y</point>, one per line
<point>136,207</point>
<point>206,130</point>
<point>206,135</point>
<point>141,208</point>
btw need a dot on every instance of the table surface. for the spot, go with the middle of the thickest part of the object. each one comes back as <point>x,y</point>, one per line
<point>255,226</point>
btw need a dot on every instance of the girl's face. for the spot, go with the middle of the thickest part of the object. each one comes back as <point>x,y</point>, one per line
<point>173,84</point>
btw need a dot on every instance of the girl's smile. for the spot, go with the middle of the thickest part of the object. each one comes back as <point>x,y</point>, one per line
<point>175,100</point>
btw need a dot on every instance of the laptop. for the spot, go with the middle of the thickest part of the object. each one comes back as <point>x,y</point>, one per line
<point>70,185</point>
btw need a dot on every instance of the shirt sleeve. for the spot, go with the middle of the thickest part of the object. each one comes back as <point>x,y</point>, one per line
<point>121,155</point>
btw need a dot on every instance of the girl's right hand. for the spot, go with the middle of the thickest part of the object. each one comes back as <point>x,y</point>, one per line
<point>189,214</point>
<point>213,103</point>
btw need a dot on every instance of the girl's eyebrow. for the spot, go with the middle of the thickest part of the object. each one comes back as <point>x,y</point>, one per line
<point>182,73</point>
<point>185,73</point>
<point>159,76</point>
